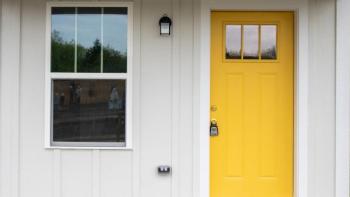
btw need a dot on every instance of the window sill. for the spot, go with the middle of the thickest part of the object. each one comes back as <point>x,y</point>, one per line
<point>88,148</point>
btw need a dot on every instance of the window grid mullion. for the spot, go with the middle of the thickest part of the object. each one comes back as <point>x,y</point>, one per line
<point>102,41</point>
<point>76,41</point>
<point>89,76</point>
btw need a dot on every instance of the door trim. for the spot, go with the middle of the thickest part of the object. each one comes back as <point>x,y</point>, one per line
<point>202,103</point>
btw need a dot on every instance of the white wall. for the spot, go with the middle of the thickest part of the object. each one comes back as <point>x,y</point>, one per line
<point>321,98</point>
<point>9,102</point>
<point>162,112</point>
<point>343,99</point>
<point>166,110</point>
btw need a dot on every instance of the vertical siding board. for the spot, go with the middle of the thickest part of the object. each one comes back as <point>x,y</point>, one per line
<point>185,130</point>
<point>57,174</point>
<point>136,100</point>
<point>9,103</point>
<point>36,163</point>
<point>156,100</point>
<point>322,93</point>
<point>96,173</point>
<point>176,93</point>
<point>76,173</point>
<point>343,99</point>
<point>116,173</point>
<point>196,124</point>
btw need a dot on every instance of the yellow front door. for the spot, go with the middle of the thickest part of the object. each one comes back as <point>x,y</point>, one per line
<point>252,56</point>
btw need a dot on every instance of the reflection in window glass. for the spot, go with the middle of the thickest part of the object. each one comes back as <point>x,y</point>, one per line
<point>268,41</point>
<point>251,42</point>
<point>233,41</point>
<point>62,39</point>
<point>89,40</point>
<point>89,111</point>
<point>115,30</point>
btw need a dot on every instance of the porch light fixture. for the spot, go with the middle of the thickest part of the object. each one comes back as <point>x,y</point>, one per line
<point>165,26</point>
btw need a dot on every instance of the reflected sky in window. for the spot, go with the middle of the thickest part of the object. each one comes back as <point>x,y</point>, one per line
<point>63,40</point>
<point>233,41</point>
<point>89,39</point>
<point>115,35</point>
<point>63,22</point>
<point>251,41</point>
<point>115,22</point>
<point>268,41</point>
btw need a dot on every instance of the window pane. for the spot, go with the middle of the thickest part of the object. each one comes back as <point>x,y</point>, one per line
<point>115,30</point>
<point>268,41</point>
<point>89,110</point>
<point>233,41</point>
<point>251,42</point>
<point>89,39</point>
<point>62,39</point>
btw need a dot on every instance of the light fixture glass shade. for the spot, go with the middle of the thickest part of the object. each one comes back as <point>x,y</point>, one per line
<point>165,28</point>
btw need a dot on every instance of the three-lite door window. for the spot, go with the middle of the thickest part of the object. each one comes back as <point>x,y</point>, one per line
<point>89,77</point>
<point>251,42</point>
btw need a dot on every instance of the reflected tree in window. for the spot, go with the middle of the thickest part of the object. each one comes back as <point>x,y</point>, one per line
<point>233,41</point>
<point>89,58</point>
<point>268,41</point>
<point>62,54</point>
<point>269,53</point>
<point>113,60</point>
<point>80,44</point>
<point>87,111</point>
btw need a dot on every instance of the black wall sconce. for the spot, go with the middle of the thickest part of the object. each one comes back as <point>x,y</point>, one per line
<point>165,26</point>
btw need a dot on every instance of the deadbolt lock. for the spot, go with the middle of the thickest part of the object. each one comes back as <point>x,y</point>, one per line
<point>214,129</point>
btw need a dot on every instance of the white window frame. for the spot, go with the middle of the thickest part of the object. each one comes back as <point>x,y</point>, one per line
<point>49,76</point>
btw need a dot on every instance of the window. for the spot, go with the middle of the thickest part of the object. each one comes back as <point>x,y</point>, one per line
<point>89,76</point>
<point>233,42</point>
<point>251,42</point>
<point>268,41</point>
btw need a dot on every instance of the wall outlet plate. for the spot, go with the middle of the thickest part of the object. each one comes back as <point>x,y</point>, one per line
<point>164,169</point>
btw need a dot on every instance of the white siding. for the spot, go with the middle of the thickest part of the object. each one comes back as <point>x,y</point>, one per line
<point>321,99</point>
<point>9,103</point>
<point>156,100</point>
<point>162,112</point>
<point>343,99</point>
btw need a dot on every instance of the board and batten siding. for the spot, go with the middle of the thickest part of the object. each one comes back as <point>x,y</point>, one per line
<point>10,61</point>
<point>165,110</point>
<point>162,116</point>
<point>321,98</point>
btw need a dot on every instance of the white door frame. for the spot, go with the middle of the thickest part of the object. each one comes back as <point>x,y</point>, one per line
<point>300,8</point>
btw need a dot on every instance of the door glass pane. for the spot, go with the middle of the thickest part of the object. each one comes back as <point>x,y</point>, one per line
<point>115,30</point>
<point>268,41</point>
<point>62,39</point>
<point>89,39</point>
<point>233,41</point>
<point>251,42</point>
<point>89,110</point>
